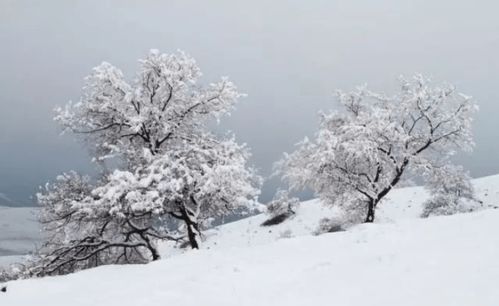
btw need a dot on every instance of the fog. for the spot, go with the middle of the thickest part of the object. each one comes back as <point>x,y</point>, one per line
<point>288,56</point>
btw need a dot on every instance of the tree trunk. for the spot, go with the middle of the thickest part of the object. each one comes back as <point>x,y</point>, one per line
<point>192,235</point>
<point>370,212</point>
<point>192,229</point>
<point>154,253</point>
<point>373,202</point>
<point>150,247</point>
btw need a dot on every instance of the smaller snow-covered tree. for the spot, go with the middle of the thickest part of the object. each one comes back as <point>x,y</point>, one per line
<point>451,192</point>
<point>280,208</point>
<point>359,155</point>
<point>82,230</point>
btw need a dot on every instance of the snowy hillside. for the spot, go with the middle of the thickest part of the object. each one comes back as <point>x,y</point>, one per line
<point>437,261</point>
<point>20,231</point>
<point>403,203</point>
<point>400,260</point>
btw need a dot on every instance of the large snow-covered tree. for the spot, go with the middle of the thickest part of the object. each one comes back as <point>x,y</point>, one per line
<point>361,153</point>
<point>154,132</point>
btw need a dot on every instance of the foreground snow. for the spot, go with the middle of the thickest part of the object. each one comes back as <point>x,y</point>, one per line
<point>435,261</point>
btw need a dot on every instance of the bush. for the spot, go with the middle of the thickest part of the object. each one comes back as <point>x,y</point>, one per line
<point>452,192</point>
<point>330,225</point>
<point>281,208</point>
<point>448,204</point>
<point>286,234</point>
<point>15,271</point>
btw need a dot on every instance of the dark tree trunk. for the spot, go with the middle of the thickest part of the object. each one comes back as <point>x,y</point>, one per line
<point>192,229</point>
<point>373,202</point>
<point>370,212</point>
<point>144,235</point>
<point>154,252</point>
<point>192,234</point>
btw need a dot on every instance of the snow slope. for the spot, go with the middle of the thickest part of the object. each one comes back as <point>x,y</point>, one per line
<point>400,260</point>
<point>403,203</point>
<point>19,232</point>
<point>437,261</point>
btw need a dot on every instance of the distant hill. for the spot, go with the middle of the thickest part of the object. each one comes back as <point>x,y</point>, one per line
<point>19,230</point>
<point>6,201</point>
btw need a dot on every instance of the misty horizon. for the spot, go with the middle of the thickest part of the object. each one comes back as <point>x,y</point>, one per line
<point>288,56</point>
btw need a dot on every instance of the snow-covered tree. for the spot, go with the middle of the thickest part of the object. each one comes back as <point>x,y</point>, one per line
<point>153,131</point>
<point>359,155</point>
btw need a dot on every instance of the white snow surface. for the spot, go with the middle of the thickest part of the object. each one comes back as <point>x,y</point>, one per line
<point>400,260</point>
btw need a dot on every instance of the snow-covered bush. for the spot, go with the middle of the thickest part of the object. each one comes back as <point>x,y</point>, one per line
<point>7,275</point>
<point>281,208</point>
<point>286,234</point>
<point>443,204</point>
<point>452,192</point>
<point>359,155</point>
<point>330,225</point>
<point>16,271</point>
<point>153,131</point>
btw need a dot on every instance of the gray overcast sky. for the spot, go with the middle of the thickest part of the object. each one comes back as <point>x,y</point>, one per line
<point>288,56</point>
